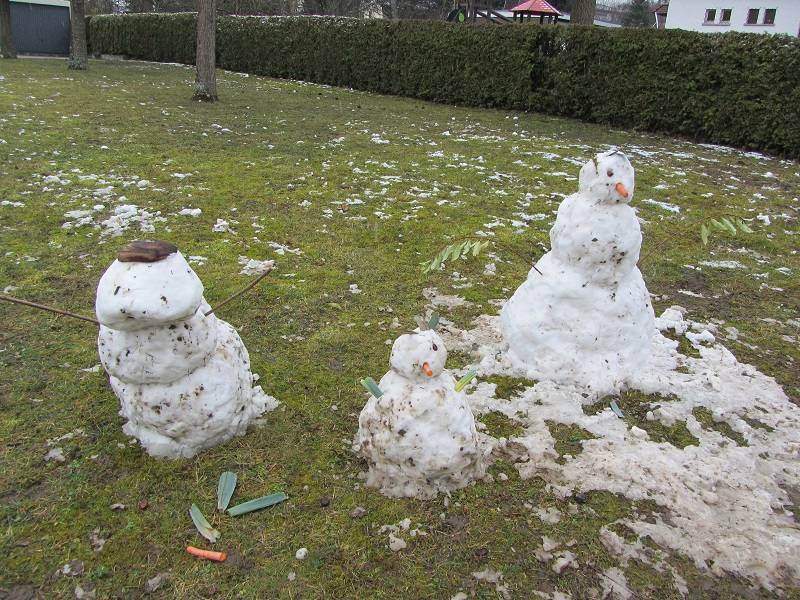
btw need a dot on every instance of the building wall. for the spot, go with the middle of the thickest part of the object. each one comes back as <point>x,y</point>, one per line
<point>40,28</point>
<point>691,15</point>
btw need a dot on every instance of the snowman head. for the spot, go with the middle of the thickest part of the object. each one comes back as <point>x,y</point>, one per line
<point>418,355</point>
<point>607,178</point>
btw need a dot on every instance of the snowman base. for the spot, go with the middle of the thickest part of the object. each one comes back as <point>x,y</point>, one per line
<point>419,438</point>
<point>561,328</point>
<point>206,408</point>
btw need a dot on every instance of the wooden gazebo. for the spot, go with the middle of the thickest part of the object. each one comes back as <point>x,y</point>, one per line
<point>531,10</point>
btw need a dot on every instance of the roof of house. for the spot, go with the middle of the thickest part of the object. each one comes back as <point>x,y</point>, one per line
<point>539,7</point>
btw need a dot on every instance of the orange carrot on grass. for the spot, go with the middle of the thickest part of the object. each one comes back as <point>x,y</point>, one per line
<point>209,554</point>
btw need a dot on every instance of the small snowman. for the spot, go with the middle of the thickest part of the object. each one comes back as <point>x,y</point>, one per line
<point>182,375</point>
<point>417,431</point>
<point>584,315</point>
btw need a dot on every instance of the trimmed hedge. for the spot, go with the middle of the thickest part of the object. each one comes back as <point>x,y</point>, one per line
<point>736,89</point>
<point>156,37</point>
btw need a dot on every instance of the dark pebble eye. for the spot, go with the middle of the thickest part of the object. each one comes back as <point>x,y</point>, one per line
<point>610,173</point>
<point>435,347</point>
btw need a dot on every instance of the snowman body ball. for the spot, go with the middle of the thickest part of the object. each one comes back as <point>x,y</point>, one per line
<point>416,431</point>
<point>584,315</point>
<point>182,376</point>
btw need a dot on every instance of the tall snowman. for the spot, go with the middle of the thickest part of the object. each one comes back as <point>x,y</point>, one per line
<point>182,377</point>
<point>584,316</point>
<point>417,431</point>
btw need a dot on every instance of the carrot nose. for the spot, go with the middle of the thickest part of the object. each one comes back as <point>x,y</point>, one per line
<point>427,369</point>
<point>621,189</point>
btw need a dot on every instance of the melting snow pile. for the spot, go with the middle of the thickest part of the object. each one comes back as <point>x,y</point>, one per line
<point>182,377</point>
<point>726,504</point>
<point>583,315</point>
<point>418,435</point>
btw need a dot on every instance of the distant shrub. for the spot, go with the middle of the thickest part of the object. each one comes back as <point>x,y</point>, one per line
<point>733,88</point>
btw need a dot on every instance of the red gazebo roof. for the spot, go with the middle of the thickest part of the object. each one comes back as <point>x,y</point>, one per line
<point>540,7</point>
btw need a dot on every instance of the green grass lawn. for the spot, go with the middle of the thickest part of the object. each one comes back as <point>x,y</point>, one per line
<point>348,193</point>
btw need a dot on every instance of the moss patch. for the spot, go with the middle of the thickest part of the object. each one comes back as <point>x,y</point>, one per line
<point>499,425</point>
<point>706,420</point>
<point>509,387</point>
<point>568,439</point>
<point>635,405</point>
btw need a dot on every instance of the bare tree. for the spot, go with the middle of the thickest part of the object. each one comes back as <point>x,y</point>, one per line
<point>205,80</point>
<point>78,54</point>
<point>7,48</point>
<point>582,12</point>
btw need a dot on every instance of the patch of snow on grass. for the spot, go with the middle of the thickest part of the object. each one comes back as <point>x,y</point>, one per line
<point>723,264</point>
<point>254,267</point>
<point>727,506</point>
<point>665,205</point>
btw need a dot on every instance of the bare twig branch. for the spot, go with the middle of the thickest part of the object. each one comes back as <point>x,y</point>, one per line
<point>48,308</point>
<point>96,322</point>
<point>237,294</point>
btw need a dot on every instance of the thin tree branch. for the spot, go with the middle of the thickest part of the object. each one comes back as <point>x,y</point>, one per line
<point>237,294</point>
<point>48,308</point>
<point>96,322</point>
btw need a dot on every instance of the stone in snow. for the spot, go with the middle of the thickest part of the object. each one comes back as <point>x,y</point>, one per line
<point>419,437</point>
<point>182,378</point>
<point>585,317</point>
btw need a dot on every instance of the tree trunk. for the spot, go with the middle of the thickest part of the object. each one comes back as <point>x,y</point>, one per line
<point>78,58</point>
<point>582,12</point>
<point>205,81</point>
<point>7,49</point>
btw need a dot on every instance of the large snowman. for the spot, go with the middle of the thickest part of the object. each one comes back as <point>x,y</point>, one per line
<point>416,431</point>
<point>584,316</point>
<point>182,377</point>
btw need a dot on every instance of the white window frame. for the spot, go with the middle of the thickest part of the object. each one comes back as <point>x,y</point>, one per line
<point>717,17</point>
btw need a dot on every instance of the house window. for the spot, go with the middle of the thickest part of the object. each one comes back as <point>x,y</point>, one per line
<point>711,15</point>
<point>752,16</point>
<point>769,16</point>
<point>725,17</point>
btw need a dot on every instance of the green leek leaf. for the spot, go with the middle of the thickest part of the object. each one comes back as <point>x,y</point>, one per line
<point>257,504</point>
<point>372,387</point>
<point>203,526</point>
<point>465,380</point>
<point>227,483</point>
<point>616,409</point>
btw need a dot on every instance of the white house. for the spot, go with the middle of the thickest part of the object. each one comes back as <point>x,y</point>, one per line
<point>718,16</point>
